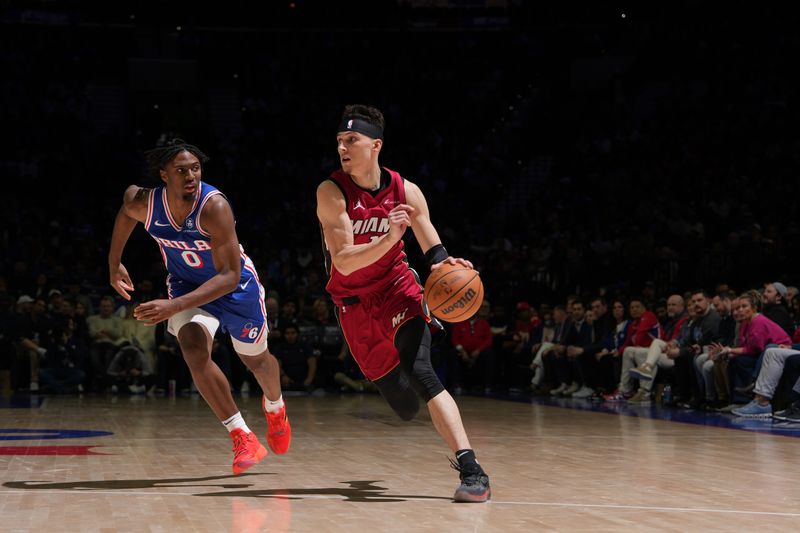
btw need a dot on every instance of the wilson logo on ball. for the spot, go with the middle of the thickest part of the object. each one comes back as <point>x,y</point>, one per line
<point>454,292</point>
<point>460,303</point>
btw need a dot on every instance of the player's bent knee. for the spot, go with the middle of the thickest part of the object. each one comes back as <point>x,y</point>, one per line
<point>195,315</point>
<point>407,412</point>
<point>193,339</point>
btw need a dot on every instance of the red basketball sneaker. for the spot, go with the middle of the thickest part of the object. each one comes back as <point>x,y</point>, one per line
<point>247,451</point>
<point>279,432</point>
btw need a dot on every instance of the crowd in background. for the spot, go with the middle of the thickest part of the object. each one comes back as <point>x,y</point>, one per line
<point>622,157</point>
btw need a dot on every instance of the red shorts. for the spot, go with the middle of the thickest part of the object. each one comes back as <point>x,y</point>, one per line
<point>369,326</point>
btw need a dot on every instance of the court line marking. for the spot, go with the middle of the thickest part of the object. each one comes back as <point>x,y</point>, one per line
<point>647,508</point>
<point>491,502</point>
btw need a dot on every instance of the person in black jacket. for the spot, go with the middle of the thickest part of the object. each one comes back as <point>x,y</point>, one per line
<point>596,373</point>
<point>775,308</point>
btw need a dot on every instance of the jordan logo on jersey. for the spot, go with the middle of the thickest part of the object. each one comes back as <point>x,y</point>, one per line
<point>358,205</point>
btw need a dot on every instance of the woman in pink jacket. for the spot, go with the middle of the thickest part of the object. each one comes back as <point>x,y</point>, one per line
<point>756,332</point>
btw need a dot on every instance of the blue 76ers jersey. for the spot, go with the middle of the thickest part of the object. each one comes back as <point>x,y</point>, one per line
<point>186,250</point>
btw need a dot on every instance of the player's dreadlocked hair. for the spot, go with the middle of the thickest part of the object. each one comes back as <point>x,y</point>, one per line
<point>158,157</point>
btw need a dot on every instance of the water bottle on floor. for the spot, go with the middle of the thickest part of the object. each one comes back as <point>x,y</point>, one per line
<point>666,397</point>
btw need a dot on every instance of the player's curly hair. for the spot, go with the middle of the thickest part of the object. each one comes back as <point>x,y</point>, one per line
<point>158,157</point>
<point>365,112</point>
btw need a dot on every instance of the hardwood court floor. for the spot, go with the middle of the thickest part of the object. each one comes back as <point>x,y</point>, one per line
<point>354,467</point>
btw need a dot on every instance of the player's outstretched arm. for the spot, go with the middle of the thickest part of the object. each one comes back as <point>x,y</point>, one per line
<point>133,210</point>
<point>426,234</point>
<point>346,256</point>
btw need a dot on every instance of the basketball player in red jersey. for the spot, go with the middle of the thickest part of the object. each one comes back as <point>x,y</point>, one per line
<point>364,210</point>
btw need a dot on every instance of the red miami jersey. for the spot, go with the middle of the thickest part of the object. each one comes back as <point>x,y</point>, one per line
<point>369,215</point>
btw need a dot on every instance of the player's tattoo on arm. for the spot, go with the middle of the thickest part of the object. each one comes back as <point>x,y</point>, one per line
<point>141,194</point>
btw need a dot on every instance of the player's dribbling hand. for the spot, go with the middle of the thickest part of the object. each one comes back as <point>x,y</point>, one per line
<point>154,311</point>
<point>121,281</point>
<point>399,220</point>
<point>453,261</point>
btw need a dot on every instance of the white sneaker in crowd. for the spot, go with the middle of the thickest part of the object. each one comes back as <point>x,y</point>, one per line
<point>571,389</point>
<point>583,392</point>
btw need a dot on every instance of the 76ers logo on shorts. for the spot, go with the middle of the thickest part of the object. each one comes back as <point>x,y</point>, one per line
<point>249,331</point>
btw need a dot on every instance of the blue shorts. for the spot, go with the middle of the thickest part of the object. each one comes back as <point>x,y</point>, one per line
<point>241,313</point>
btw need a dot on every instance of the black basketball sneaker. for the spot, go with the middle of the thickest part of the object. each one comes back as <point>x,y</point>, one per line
<point>474,486</point>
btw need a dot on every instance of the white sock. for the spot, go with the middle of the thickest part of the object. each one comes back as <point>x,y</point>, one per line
<point>273,407</point>
<point>235,422</point>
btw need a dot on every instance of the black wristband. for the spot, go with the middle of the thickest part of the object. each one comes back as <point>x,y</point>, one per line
<point>436,254</point>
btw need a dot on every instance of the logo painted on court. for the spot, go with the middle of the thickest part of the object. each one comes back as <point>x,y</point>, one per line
<point>49,434</point>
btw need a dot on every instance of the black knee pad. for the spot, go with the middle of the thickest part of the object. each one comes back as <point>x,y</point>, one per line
<point>408,412</point>
<point>396,389</point>
<point>413,341</point>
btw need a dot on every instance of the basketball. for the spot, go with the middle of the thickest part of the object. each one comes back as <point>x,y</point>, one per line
<point>454,292</point>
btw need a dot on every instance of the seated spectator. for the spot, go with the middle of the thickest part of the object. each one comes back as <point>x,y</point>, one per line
<point>76,296</point>
<point>696,361</point>
<point>33,331</point>
<point>170,362</point>
<point>723,303</point>
<point>549,354</point>
<point>755,332</point>
<point>60,370</point>
<point>274,321</point>
<point>472,358</point>
<point>7,327</point>
<point>512,353</point>
<point>643,329</point>
<point>105,331</point>
<point>54,300</point>
<point>579,334</point>
<point>597,372</point>
<point>768,378</point>
<point>349,376</point>
<point>297,361</point>
<point>323,333</point>
<point>775,308</point>
<point>138,334</point>
<point>541,340</point>
<point>792,413</point>
<point>130,371</point>
<point>609,357</point>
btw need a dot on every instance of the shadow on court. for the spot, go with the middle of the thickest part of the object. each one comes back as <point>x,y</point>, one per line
<point>127,484</point>
<point>359,491</point>
<point>356,491</point>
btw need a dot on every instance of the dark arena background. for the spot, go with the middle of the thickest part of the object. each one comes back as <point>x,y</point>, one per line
<point>623,175</point>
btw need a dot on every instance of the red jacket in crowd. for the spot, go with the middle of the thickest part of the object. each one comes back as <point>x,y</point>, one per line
<point>642,331</point>
<point>473,334</point>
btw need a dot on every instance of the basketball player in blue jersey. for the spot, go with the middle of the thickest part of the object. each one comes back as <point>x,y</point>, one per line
<point>211,283</point>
